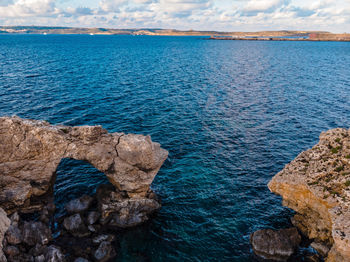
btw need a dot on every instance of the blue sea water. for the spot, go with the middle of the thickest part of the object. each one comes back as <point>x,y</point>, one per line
<point>230,113</point>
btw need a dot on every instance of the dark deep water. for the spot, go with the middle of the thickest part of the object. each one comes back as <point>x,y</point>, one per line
<point>230,113</point>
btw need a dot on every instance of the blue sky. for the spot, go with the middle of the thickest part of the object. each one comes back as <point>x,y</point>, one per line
<point>222,15</point>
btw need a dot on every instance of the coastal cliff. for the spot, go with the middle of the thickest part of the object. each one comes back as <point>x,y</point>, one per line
<point>316,184</point>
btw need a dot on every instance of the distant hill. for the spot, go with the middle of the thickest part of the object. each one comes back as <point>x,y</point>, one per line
<point>143,31</point>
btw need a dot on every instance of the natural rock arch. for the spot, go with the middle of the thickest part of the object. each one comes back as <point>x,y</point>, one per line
<point>31,151</point>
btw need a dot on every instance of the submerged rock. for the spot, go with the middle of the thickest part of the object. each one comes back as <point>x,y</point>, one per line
<point>276,245</point>
<point>99,239</point>
<point>104,252</point>
<point>80,259</point>
<point>316,184</point>
<point>79,205</point>
<point>32,150</point>
<point>75,225</point>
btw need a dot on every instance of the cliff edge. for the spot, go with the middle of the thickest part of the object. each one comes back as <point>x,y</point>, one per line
<point>316,184</point>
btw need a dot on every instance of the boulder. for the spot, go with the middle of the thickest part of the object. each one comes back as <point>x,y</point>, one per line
<point>54,254</point>
<point>14,235</point>
<point>277,245</point>
<point>100,238</point>
<point>32,150</point>
<point>79,205</point>
<point>92,217</point>
<point>11,251</point>
<point>118,210</point>
<point>36,233</point>
<point>104,252</point>
<point>74,224</point>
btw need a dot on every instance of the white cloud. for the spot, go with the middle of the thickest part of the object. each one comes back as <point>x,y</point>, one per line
<point>224,15</point>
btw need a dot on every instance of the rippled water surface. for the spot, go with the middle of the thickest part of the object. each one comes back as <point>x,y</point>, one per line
<point>230,113</point>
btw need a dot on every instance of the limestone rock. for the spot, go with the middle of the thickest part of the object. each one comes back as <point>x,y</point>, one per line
<point>277,245</point>
<point>316,184</point>
<point>121,211</point>
<point>31,151</point>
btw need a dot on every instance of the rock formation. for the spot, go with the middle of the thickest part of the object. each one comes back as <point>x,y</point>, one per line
<point>275,245</point>
<point>31,151</point>
<point>317,186</point>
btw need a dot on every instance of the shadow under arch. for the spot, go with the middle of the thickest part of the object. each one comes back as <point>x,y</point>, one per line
<point>74,178</point>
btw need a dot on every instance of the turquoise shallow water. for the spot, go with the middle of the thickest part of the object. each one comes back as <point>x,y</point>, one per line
<point>230,113</point>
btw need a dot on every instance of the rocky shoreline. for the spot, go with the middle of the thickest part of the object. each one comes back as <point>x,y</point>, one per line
<point>30,153</point>
<point>316,184</point>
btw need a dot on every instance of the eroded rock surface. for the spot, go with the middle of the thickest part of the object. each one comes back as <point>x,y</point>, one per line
<point>31,151</point>
<point>317,186</point>
<point>277,245</point>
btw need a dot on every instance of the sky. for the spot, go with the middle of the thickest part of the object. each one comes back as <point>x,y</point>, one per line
<point>220,15</point>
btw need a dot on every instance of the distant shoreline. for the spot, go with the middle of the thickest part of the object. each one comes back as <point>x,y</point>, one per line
<point>282,35</point>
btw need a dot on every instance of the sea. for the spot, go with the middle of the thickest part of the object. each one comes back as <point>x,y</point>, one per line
<point>231,114</point>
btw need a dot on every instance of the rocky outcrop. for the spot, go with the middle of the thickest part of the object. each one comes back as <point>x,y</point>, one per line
<point>277,245</point>
<point>31,151</point>
<point>317,186</point>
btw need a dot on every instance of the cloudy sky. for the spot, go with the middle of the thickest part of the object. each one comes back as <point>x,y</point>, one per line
<point>222,15</point>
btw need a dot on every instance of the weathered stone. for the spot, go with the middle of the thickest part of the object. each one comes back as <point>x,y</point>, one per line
<point>276,245</point>
<point>36,233</point>
<point>31,151</point>
<point>99,239</point>
<point>92,217</point>
<point>79,205</point>
<point>54,254</point>
<point>120,211</point>
<point>75,225</point>
<point>11,251</point>
<point>14,218</point>
<point>104,252</point>
<point>13,235</point>
<point>321,248</point>
<point>4,226</point>
<point>316,184</point>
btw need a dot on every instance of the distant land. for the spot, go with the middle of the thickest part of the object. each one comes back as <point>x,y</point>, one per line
<point>261,35</point>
